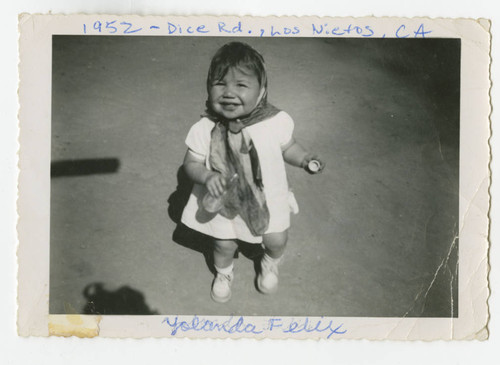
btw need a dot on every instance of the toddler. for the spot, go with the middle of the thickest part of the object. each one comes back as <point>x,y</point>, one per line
<point>236,154</point>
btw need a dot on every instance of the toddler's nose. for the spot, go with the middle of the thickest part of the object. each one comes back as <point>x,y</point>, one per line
<point>228,92</point>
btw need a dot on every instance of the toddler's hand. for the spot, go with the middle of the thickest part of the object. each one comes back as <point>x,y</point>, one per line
<point>313,164</point>
<point>215,184</point>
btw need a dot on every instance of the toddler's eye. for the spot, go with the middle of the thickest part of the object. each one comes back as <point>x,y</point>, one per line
<point>242,85</point>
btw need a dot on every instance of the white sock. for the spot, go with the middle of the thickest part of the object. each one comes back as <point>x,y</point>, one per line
<point>272,260</point>
<point>226,270</point>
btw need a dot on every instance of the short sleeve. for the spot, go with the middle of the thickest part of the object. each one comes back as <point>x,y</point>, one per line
<point>285,127</point>
<point>198,138</point>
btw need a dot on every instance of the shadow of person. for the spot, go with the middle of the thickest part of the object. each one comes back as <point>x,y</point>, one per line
<point>196,241</point>
<point>179,198</point>
<point>252,252</point>
<point>84,167</point>
<point>183,235</point>
<point>124,300</point>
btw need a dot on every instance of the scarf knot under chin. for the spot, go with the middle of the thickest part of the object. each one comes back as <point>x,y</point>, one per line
<point>232,152</point>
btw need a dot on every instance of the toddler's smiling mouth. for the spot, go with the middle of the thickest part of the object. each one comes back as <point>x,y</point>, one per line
<point>229,106</point>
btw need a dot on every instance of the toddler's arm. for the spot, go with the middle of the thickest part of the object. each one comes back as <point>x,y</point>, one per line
<point>296,155</point>
<point>197,171</point>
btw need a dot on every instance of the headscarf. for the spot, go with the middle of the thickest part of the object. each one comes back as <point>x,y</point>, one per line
<point>233,152</point>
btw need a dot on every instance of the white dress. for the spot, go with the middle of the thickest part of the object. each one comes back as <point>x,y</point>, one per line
<point>268,138</point>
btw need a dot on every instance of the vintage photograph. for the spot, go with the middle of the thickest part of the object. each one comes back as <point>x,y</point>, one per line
<point>246,177</point>
<point>255,176</point>
<point>260,182</point>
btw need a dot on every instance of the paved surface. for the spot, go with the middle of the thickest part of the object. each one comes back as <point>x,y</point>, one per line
<point>376,232</point>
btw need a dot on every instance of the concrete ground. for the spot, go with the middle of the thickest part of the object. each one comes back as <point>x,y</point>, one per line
<point>376,232</point>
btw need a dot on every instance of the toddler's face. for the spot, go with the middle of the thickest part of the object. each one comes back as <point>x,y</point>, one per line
<point>236,95</point>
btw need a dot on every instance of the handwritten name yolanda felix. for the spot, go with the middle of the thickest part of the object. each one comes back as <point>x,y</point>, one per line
<point>242,325</point>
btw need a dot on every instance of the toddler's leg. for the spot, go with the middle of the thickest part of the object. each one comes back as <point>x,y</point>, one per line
<point>224,253</point>
<point>223,261</point>
<point>275,243</point>
<point>274,246</point>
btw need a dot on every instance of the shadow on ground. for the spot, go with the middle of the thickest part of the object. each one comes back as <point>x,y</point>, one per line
<point>179,198</point>
<point>124,300</point>
<point>81,167</point>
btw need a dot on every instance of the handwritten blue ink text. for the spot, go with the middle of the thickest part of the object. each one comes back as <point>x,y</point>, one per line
<point>239,27</point>
<point>245,325</point>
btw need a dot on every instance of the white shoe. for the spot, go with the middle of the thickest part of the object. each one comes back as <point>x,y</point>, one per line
<point>221,287</point>
<point>267,280</point>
